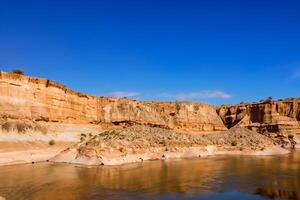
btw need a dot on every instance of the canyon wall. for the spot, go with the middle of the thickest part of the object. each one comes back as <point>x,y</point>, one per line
<point>269,116</point>
<point>26,98</point>
<point>30,99</point>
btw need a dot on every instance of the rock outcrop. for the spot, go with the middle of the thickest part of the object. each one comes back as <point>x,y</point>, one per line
<point>140,143</point>
<point>269,116</point>
<point>40,100</point>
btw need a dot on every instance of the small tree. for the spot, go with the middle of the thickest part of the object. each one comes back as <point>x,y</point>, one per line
<point>18,71</point>
<point>270,98</point>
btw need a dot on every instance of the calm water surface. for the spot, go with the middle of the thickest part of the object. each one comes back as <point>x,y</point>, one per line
<point>226,177</point>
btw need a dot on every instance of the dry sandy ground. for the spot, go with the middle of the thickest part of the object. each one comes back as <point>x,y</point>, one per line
<point>134,144</point>
<point>27,142</point>
<point>140,143</point>
<point>29,152</point>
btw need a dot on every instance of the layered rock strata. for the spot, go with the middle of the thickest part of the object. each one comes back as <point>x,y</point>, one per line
<point>269,116</point>
<point>41,100</point>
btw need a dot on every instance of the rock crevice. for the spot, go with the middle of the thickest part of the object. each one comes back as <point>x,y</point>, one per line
<point>273,116</point>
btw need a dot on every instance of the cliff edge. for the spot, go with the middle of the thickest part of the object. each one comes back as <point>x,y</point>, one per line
<point>269,116</point>
<point>31,99</point>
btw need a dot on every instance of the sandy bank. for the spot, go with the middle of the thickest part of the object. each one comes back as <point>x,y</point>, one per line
<point>71,156</point>
<point>138,144</point>
<point>12,153</point>
<point>135,144</point>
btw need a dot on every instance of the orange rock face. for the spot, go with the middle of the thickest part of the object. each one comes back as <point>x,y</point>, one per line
<point>273,116</point>
<point>36,99</point>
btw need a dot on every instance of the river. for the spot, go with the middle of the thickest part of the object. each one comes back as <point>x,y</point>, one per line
<point>219,177</point>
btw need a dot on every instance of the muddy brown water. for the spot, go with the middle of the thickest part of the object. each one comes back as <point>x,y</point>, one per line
<point>220,177</point>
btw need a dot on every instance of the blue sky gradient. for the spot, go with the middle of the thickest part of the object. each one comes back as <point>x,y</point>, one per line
<point>211,51</point>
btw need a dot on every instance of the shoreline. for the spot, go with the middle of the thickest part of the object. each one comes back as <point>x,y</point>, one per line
<point>51,155</point>
<point>137,144</point>
<point>184,153</point>
<point>18,153</point>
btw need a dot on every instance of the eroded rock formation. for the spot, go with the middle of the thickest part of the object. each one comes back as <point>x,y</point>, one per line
<point>37,100</point>
<point>41,100</point>
<point>270,116</point>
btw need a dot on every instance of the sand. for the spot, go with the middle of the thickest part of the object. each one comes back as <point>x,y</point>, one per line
<point>29,152</point>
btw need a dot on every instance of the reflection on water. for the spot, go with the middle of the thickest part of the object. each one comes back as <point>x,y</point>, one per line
<point>278,193</point>
<point>226,177</point>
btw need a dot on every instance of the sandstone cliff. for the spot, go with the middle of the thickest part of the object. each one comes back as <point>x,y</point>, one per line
<point>40,100</point>
<point>270,116</point>
<point>42,103</point>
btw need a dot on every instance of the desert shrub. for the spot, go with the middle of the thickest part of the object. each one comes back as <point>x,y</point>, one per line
<point>177,105</point>
<point>18,71</point>
<point>41,129</point>
<point>52,142</point>
<point>196,107</point>
<point>81,139</point>
<point>163,142</point>
<point>225,105</point>
<point>21,128</point>
<point>291,136</point>
<point>269,100</point>
<point>6,126</point>
<point>233,143</point>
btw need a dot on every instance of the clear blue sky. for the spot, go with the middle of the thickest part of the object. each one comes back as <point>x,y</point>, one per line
<point>213,51</point>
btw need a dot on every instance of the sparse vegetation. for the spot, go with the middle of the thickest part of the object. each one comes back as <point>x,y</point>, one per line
<point>140,136</point>
<point>269,100</point>
<point>41,129</point>
<point>52,142</point>
<point>225,105</point>
<point>21,128</point>
<point>6,126</point>
<point>234,143</point>
<point>15,126</point>
<point>18,71</point>
<point>291,136</point>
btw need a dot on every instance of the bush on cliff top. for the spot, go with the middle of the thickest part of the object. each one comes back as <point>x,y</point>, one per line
<point>18,71</point>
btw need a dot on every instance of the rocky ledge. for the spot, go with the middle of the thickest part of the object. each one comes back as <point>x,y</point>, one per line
<point>140,143</point>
